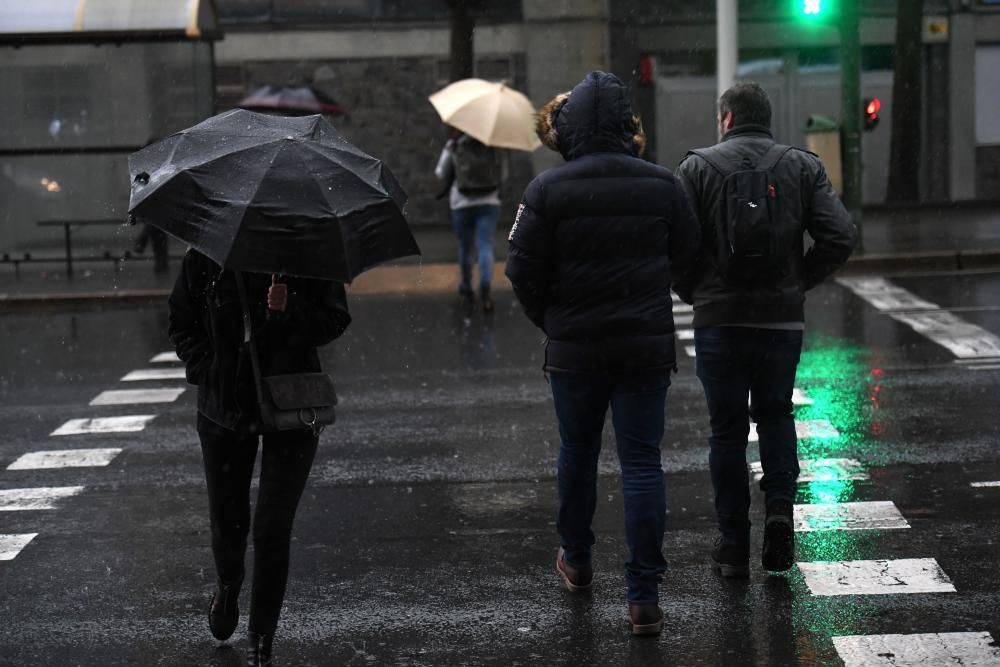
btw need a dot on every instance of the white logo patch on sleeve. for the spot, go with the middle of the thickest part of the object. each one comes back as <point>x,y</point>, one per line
<point>517,218</point>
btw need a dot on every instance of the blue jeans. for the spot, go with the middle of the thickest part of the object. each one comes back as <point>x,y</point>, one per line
<point>637,408</point>
<point>479,224</point>
<point>734,363</point>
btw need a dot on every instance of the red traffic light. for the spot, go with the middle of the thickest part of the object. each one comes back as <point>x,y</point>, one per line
<point>871,105</point>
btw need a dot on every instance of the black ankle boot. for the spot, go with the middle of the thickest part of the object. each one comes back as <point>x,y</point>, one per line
<point>224,611</point>
<point>259,653</point>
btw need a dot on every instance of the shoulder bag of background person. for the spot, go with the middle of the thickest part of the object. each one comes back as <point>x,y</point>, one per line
<point>747,230</point>
<point>292,401</point>
<point>476,170</point>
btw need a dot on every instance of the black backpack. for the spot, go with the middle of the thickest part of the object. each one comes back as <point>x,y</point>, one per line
<point>749,245</point>
<point>476,170</point>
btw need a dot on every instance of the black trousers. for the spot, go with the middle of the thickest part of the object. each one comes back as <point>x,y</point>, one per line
<point>286,459</point>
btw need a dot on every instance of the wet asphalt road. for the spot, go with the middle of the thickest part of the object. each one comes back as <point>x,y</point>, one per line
<point>426,536</point>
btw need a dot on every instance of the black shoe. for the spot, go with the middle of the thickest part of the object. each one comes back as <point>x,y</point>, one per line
<point>778,553</point>
<point>646,619</point>
<point>466,299</point>
<point>484,295</point>
<point>224,611</point>
<point>731,559</point>
<point>575,579</point>
<point>259,653</point>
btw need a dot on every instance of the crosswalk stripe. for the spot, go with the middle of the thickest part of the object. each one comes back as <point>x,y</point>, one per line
<point>964,340</point>
<point>165,358</point>
<point>124,424</point>
<point>682,308</point>
<point>885,295</point>
<point>876,515</point>
<point>947,648</point>
<point>154,374</point>
<point>987,367</point>
<point>12,544</point>
<point>799,397</point>
<point>821,429</point>
<point>683,320</point>
<point>66,458</point>
<point>689,350</point>
<point>821,470</point>
<point>135,396</point>
<point>984,484</point>
<point>685,334</point>
<point>875,577</point>
<point>39,498</point>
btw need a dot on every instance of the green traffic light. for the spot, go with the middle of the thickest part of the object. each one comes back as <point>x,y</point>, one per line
<point>810,11</point>
<point>812,7</point>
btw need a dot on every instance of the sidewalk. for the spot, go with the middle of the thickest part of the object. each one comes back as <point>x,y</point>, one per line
<point>927,238</point>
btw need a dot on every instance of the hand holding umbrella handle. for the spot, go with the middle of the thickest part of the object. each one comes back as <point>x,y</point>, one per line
<point>277,295</point>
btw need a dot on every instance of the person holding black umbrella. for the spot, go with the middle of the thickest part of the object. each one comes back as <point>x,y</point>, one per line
<point>290,318</point>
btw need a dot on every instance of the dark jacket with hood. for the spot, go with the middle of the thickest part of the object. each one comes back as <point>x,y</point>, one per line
<point>596,240</point>
<point>206,327</point>
<point>808,204</point>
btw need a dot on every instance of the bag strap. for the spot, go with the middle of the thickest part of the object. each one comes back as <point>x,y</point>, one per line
<point>772,156</point>
<point>248,338</point>
<point>707,155</point>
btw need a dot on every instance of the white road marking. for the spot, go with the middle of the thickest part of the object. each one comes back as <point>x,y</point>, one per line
<point>987,367</point>
<point>685,334</point>
<point>821,470</point>
<point>129,424</point>
<point>683,320</point>
<point>682,308</point>
<point>165,358</point>
<point>876,577</point>
<point>970,649</point>
<point>980,485</point>
<point>689,350</point>
<point>964,340</point>
<point>810,428</point>
<point>66,458</point>
<point>799,397</point>
<point>135,396</point>
<point>878,515</point>
<point>39,498</point>
<point>980,360</point>
<point>11,545</point>
<point>154,374</point>
<point>886,296</point>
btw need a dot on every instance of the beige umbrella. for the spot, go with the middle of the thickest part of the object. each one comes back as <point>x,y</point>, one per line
<point>491,112</point>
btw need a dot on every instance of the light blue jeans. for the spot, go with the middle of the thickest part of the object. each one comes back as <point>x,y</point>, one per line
<point>479,224</point>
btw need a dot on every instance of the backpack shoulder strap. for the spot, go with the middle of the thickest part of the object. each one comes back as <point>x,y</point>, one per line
<point>772,157</point>
<point>708,155</point>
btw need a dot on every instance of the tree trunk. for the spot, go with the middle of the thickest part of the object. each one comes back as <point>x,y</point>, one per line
<point>907,101</point>
<point>463,22</point>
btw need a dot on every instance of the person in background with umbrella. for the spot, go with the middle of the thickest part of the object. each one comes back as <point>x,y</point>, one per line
<point>472,170</point>
<point>485,115</point>
<point>594,247</point>
<point>290,318</point>
<point>279,213</point>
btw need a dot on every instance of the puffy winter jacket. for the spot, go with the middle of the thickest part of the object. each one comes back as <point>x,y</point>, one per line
<point>808,204</point>
<point>596,241</point>
<point>206,327</point>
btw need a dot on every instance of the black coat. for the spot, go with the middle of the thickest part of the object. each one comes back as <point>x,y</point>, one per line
<point>206,327</point>
<point>596,241</point>
<point>809,204</point>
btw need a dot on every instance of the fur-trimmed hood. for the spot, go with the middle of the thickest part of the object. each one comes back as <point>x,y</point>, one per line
<point>596,116</point>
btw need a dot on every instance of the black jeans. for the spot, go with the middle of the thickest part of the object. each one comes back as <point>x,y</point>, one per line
<point>286,459</point>
<point>734,363</point>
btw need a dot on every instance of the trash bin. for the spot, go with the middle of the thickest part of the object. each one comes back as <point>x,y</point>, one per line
<point>823,139</point>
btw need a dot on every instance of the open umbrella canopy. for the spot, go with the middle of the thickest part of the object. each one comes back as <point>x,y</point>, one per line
<point>272,194</point>
<point>494,114</point>
<point>300,100</point>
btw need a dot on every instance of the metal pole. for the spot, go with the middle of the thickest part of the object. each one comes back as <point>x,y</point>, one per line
<point>727,20</point>
<point>850,110</point>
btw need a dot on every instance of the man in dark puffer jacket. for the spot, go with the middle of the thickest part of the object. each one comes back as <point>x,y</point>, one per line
<point>592,251</point>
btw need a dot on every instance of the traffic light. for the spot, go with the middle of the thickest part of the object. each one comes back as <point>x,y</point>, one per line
<point>812,10</point>
<point>871,106</point>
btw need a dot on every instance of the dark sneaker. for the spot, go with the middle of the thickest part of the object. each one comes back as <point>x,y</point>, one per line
<point>224,612</point>
<point>731,559</point>
<point>466,299</point>
<point>646,619</point>
<point>484,296</point>
<point>778,553</point>
<point>575,579</point>
<point>259,651</point>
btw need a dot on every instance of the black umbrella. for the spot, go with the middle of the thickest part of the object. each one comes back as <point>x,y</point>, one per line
<point>272,194</point>
<point>292,100</point>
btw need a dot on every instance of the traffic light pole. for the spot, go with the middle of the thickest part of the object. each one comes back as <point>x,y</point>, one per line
<point>727,42</point>
<point>850,110</point>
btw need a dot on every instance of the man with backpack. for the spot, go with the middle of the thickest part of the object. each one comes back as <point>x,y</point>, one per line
<point>473,172</point>
<point>754,200</point>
